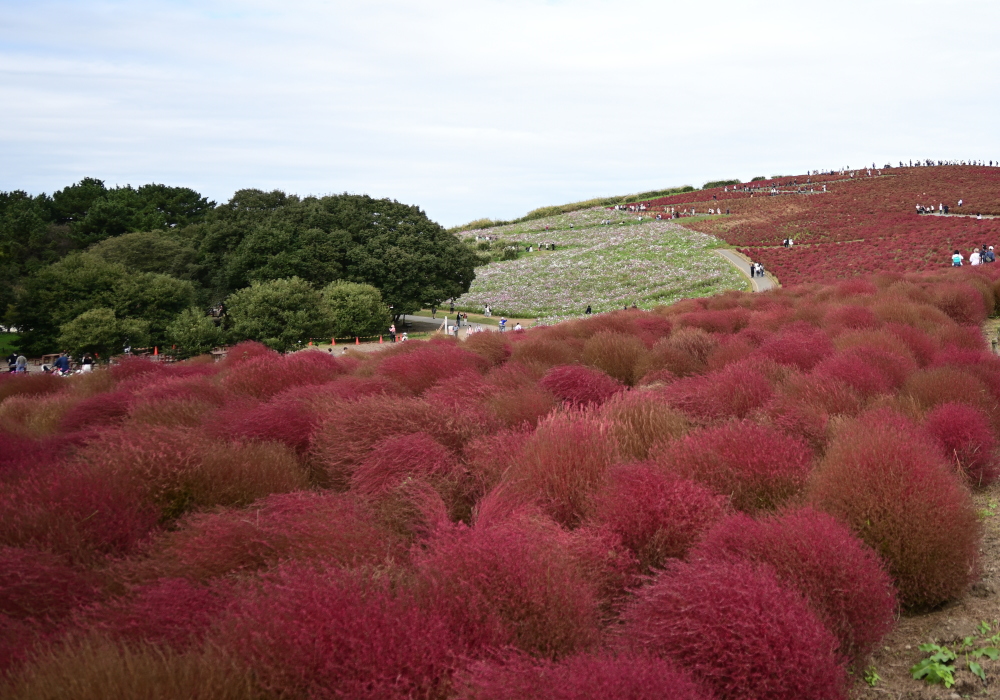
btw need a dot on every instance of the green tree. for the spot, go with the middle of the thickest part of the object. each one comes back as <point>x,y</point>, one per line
<point>279,313</point>
<point>71,204</point>
<point>357,309</point>
<point>150,251</point>
<point>101,331</point>
<point>60,292</point>
<point>194,333</point>
<point>394,247</point>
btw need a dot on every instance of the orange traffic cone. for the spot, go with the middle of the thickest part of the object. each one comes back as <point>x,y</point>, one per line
<point>310,343</point>
<point>380,339</point>
<point>333,341</point>
<point>356,341</point>
<point>156,350</point>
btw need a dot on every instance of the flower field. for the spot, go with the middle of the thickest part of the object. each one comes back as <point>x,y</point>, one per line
<point>601,508</point>
<point>859,224</point>
<point>605,266</point>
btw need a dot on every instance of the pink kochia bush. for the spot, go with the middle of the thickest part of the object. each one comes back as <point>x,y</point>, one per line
<point>582,677</point>
<point>842,578</point>
<point>891,485</point>
<point>657,516</point>
<point>328,633</point>
<point>758,467</point>
<point>965,436</point>
<point>514,582</point>
<point>580,386</point>
<point>704,615</point>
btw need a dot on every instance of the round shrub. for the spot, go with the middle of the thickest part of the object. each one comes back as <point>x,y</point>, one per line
<point>683,353</point>
<point>701,615</point>
<point>40,585</point>
<point>172,611</point>
<point>395,458</point>
<point>640,419</point>
<point>101,409</point>
<point>657,516</point>
<point>31,384</point>
<point>316,633</point>
<point>580,386</point>
<point>582,677</point>
<point>263,376</point>
<point>421,369</point>
<point>759,467</point>
<point>493,347</point>
<point>855,370</point>
<point>511,583</point>
<point>964,435</point>
<point>731,392</point>
<point>890,485</point>
<point>561,466</point>
<point>520,407</point>
<point>301,525</point>
<point>842,578</point>
<point>616,354</point>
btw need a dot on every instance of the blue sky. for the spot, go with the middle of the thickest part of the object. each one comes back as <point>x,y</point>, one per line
<point>473,109</point>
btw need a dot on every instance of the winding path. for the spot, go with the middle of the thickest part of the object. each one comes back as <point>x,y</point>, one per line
<point>759,284</point>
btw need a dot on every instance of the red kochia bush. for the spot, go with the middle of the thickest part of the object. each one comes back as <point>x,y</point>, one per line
<point>617,354</point>
<point>702,614</point>
<point>733,391</point>
<point>421,369</point>
<point>562,465</point>
<point>332,634</point>
<point>393,459</point>
<point>842,578</point>
<point>580,678</point>
<point>856,371</point>
<point>75,512</point>
<point>580,386</point>
<point>264,376</point>
<point>40,585</point>
<point>33,384</point>
<point>965,436</point>
<point>758,467</point>
<point>170,611</point>
<point>800,348</point>
<point>656,515</point>
<point>514,582</point>
<point>302,525</point>
<point>101,409</point>
<point>888,482</point>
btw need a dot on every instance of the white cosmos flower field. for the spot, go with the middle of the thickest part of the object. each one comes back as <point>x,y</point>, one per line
<point>607,266</point>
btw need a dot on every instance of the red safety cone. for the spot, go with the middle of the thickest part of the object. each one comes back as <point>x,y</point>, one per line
<point>333,341</point>
<point>310,343</point>
<point>380,339</point>
<point>357,341</point>
<point>156,350</point>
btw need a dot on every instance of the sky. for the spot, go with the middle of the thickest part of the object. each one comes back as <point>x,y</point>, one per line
<point>489,108</point>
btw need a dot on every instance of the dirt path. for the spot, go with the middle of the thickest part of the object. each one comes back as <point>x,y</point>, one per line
<point>759,284</point>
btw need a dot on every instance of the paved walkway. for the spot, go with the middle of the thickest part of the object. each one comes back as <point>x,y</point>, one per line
<point>759,284</point>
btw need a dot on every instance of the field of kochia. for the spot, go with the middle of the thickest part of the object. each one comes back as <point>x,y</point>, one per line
<point>731,497</point>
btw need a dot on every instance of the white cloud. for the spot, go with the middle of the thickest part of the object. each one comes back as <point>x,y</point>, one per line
<point>484,108</point>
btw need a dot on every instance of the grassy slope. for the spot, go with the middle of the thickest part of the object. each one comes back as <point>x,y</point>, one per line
<point>607,266</point>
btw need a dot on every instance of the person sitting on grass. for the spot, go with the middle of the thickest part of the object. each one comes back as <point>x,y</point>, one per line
<point>956,259</point>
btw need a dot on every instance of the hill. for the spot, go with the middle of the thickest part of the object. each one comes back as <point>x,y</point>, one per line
<point>846,223</point>
<point>603,258</point>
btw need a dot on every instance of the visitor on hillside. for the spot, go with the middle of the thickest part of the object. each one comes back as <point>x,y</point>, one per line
<point>588,309</point>
<point>974,258</point>
<point>392,333</point>
<point>503,324</point>
<point>21,364</point>
<point>990,255</point>
<point>62,363</point>
<point>434,312</point>
<point>517,327</point>
<point>12,360</point>
<point>960,202</point>
<point>956,259</point>
<point>404,338</point>
<point>87,363</point>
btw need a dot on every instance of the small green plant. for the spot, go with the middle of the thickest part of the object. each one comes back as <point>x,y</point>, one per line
<point>940,667</point>
<point>871,676</point>
<point>990,510</point>
<point>936,668</point>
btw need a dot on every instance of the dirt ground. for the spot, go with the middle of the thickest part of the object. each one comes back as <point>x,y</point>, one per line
<point>947,626</point>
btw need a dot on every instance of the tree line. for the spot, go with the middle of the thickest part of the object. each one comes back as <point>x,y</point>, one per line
<point>93,267</point>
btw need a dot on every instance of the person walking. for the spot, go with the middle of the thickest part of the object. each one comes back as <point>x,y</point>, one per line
<point>21,364</point>
<point>588,309</point>
<point>956,259</point>
<point>974,258</point>
<point>392,333</point>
